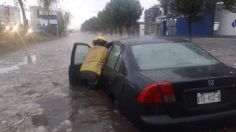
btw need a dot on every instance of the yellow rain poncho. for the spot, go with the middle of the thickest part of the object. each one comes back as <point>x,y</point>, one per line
<point>95,60</point>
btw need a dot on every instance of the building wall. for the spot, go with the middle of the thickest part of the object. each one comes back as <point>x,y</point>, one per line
<point>224,23</point>
<point>141,29</point>
<point>161,27</point>
<point>202,28</point>
<point>171,27</point>
<point>39,16</point>
<point>34,20</point>
<point>150,17</point>
<point>10,15</point>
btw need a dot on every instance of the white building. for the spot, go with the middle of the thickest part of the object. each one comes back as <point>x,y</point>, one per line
<point>39,16</point>
<point>10,14</point>
<point>225,23</point>
<point>141,29</point>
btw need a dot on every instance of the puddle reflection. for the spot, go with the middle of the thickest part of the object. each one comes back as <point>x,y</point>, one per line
<point>5,68</point>
<point>30,59</point>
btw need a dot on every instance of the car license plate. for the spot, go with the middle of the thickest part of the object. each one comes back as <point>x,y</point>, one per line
<point>208,98</point>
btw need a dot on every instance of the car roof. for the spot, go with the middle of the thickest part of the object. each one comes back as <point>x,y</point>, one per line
<point>145,40</point>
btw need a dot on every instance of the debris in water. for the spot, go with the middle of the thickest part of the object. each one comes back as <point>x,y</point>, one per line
<point>41,129</point>
<point>66,123</point>
<point>3,122</point>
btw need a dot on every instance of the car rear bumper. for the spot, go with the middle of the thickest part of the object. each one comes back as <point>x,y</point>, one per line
<point>162,120</point>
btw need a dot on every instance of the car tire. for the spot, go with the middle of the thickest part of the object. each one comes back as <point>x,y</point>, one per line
<point>73,78</point>
<point>118,106</point>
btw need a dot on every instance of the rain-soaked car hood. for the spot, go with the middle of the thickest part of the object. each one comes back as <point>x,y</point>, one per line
<point>189,73</point>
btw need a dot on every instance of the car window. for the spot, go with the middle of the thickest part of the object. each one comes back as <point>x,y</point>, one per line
<point>170,55</point>
<point>113,56</point>
<point>80,53</point>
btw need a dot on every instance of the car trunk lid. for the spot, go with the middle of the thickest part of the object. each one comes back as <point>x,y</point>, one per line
<point>191,82</point>
<point>187,96</point>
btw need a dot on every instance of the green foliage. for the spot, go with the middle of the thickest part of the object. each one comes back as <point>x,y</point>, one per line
<point>116,14</point>
<point>90,24</point>
<point>189,8</point>
<point>47,3</point>
<point>226,4</point>
<point>65,21</point>
<point>194,9</point>
<point>165,5</point>
<point>230,5</point>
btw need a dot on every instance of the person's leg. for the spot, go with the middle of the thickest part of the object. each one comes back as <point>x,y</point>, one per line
<point>84,78</point>
<point>90,79</point>
<point>93,80</point>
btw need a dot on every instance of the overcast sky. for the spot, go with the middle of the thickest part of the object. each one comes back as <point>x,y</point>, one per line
<point>84,9</point>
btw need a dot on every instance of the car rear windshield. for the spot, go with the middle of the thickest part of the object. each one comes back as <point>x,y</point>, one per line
<point>170,55</point>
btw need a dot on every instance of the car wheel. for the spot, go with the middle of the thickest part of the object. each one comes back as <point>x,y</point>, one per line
<point>118,106</point>
<point>73,78</point>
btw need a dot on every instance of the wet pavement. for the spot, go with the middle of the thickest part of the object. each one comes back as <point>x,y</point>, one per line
<point>35,95</point>
<point>222,48</point>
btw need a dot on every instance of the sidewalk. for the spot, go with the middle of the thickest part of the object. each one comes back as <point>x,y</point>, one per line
<point>223,48</point>
<point>221,38</point>
<point>216,40</point>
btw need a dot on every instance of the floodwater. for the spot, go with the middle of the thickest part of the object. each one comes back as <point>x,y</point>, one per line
<point>5,68</point>
<point>35,95</point>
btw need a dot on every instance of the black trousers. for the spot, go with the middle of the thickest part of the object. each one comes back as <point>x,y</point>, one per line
<point>89,77</point>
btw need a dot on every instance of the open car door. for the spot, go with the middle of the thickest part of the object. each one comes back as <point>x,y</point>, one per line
<point>78,55</point>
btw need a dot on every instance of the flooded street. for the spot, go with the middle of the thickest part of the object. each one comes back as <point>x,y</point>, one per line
<point>35,95</point>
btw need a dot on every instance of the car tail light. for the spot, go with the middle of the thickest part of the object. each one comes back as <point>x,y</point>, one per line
<point>157,93</point>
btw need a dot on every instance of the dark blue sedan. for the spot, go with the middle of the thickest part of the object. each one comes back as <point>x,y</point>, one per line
<point>159,82</point>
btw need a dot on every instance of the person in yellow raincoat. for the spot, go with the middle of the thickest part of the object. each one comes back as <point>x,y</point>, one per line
<point>91,68</point>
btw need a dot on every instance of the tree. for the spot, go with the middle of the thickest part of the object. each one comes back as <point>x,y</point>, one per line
<point>90,25</point>
<point>116,15</point>
<point>225,4</point>
<point>65,20</point>
<point>132,14</point>
<point>230,5</point>
<point>110,17</point>
<point>165,5</point>
<point>23,14</point>
<point>125,13</point>
<point>47,4</point>
<point>193,9</point>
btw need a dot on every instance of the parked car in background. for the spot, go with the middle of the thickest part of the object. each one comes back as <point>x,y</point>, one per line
<point>160,82</point>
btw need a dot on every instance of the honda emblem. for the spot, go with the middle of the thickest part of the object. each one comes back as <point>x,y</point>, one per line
<point>211,83</point>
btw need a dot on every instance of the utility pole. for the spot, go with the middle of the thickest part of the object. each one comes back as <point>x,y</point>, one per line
<point>57,20</point>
